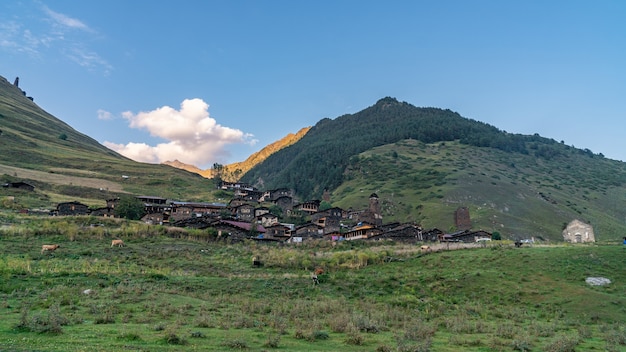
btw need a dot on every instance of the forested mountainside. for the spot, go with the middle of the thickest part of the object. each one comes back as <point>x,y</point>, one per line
<point>423,163</point>
<point>319,160</point>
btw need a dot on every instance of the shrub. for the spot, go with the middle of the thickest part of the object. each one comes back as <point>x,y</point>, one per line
<point>197,334</point>
<point>562,343</point>
<point>129,336</point>
<point>383,348</point>
<point>205,321</point>
<point>615,336</point>
<point>320,335</point>
<point>273,341</point>
<point>339,323</point>
<point>50,323</point>
<point>354,337</point>
<point>521,344</point>
<point>174,339</point>
<point>237,343</point>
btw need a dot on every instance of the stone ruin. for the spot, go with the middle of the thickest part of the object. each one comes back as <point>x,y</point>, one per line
<point>578,232</point>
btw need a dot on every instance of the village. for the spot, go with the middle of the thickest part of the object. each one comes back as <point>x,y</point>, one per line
<point>252,214</point>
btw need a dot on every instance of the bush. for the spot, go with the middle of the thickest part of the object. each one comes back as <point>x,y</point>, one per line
<point>563,343</point>
<point>273,341</point>
<point>173,339</point>
<point>354,337</point>
<point>198,334</point>
<point>238,343</point>
<point>50,323</point>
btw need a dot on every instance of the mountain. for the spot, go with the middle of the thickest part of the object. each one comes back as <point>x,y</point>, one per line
<point>65,165</point>
<point>424,163</point>
<point>232,172</point>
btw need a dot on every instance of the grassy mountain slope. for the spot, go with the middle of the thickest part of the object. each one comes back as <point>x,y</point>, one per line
<point>517,195</point>
<point>426,162</point>
<point>66,165</point>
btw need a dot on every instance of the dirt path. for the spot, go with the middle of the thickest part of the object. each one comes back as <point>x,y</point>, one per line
<point>60,179</point>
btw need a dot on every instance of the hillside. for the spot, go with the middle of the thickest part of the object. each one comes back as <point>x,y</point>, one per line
<point>233,172</point>
<point>65,165</point>
<point>520,197</point>
<point>423,163</point>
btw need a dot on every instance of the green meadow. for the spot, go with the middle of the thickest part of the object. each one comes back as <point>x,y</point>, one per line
<point>181,290</point>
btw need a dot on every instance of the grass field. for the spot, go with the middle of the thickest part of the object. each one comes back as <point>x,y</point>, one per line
<point>175,290</point>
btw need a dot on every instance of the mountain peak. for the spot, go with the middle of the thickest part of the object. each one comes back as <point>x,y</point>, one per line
<point>386,101</point>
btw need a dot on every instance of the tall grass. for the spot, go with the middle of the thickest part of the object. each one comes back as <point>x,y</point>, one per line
<point>188,292</point>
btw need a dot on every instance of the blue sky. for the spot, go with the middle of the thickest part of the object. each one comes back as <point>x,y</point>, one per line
<point>214,81</point>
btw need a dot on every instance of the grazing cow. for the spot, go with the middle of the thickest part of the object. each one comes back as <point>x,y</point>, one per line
<point>425,248</point>
<point>49,248</point>
<point>316,281</point>
<point>319,271</point>
<point>118,243</point>
<point>256,262</point>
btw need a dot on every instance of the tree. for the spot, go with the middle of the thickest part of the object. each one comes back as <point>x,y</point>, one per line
<point>219,170</point>
<point>324,205</point>
<point>496,236</point>
<point>130,208</point>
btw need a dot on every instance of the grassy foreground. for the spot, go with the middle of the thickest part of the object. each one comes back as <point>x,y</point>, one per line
<point>175,290</point>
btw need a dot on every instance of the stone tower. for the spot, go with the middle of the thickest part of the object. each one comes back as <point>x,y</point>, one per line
<point>373,214</point>
<point>462,219</point>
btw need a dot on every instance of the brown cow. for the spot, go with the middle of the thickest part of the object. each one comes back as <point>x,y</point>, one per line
<point>118,243</point>
<point>49,248</point>
<point>319,271</point>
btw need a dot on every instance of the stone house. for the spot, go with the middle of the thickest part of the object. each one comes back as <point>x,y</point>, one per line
<point>407,232</point>
<point>72,208</point>
<point>183,210</point>
<point>267,219</point>
<point>362,232</point>
<point>273,195</point>
<point>329,219</point>
<point>20,185</point>
<point>466,236</point>
<point>308,207</point>
<point>106,212</point>
<point>244,212</point>
<point>285,203</point>
<point>155,218</point>
<point>154,204</point>
<point>308,231</point>
<point>578,232</point>
<point>237,231</point>
<point>260,211</point>
<point>277,231</point>
<point>180,212</point>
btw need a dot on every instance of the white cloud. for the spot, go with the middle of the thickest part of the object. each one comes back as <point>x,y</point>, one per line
<point>104,115</point>
<point>65,20</point>
<point>88,59</point>
<point>193,136</point>
<point>60,34</point>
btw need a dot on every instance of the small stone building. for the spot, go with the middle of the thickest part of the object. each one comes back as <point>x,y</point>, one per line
<point>578,232</point>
